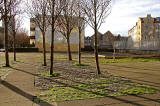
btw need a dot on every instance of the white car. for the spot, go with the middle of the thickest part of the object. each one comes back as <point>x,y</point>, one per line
<point>2,50</point>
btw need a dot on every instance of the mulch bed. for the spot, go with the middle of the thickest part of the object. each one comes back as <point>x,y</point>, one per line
<point>72,75</point>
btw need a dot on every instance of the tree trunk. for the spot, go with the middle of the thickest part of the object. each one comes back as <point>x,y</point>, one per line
<point>69,49</point>
<point>96,40</point>
<point>52,42</point>
<point>6,35</point>
<point>52,51</point>
<point>96,53</point>
<point>14,45</point>
<point>79,52</point>
<point>6,43</point>
<point>44,49</point>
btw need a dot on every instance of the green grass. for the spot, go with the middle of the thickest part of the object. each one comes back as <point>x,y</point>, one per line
<point>82,91</point>
<point>48,75</point>
<point>139,90</point>
<point>4,71</point>
<point>61,59</point>
<point>40,58</point>
<point>124,60</point>
<point>64,59</point>
<point>82,64</point>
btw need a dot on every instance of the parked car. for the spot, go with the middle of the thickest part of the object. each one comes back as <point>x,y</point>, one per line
<point>2,50</point>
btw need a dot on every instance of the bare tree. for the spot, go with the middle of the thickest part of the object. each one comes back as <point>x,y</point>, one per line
<point>96,11</point>
<point>55,8</point>
<point>6,10</point>
<point>38,11</point>
<point>14,25</point>
<point>67,22</point>
<point>81,25</point>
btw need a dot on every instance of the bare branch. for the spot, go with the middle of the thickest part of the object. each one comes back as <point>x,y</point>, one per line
<point>102,7</point>
<point>38,12</point>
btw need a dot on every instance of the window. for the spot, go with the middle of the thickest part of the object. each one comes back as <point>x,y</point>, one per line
<point>158,19</point>
<point>158,26</point>
<point>146,33</point>
<point>151,32</point>
<point>145,25</point>
<point>148,19</point>
<point>145,37</point>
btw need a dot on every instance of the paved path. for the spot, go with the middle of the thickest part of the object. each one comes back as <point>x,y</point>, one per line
<point>18,88</point>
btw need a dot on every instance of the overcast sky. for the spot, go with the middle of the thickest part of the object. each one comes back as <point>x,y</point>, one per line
<point>124,15</point>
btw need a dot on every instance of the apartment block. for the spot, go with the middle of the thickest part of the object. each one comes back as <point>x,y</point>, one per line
<point>60,41</point>
<point>147,28</point>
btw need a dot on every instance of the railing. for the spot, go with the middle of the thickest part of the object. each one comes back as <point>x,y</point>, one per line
<point>141,45</point>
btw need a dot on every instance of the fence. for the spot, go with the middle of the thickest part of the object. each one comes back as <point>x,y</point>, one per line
<point>141,45</point>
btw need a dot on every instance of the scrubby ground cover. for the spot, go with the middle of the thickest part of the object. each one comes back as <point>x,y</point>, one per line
<point>74,82</point>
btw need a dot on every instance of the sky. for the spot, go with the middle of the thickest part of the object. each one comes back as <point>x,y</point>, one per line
<point>124,15</point>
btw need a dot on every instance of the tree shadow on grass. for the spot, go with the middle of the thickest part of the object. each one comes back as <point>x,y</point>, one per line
<point>119,69</point>
<point>30,97</point>
<point>133,67</point>
<point>115,98</point>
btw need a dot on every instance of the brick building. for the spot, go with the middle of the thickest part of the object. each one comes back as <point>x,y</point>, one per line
<point>105,41</point>
<point>147,28</point>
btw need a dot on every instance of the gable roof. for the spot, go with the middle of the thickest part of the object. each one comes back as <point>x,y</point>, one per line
<point>99,34</point>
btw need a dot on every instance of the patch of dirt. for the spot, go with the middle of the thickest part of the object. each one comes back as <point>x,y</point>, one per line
<point>71,75</point>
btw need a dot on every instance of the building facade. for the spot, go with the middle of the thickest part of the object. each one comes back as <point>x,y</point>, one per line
<point>32,32</point>
<point>60,41</point>
<point>147,28</point>
<point>132,33</point>
<point>87,41</point>
<point>105,41</point>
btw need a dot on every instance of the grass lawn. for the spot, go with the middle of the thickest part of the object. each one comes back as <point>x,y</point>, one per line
<point>125,60</point>
<point>82,64</point>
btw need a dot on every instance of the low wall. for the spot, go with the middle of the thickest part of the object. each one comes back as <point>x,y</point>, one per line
<point>139,52</point>
<point>24,50</point>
